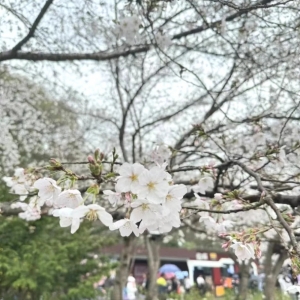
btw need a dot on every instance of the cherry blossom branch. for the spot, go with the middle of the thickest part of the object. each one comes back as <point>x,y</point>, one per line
<point>217,23</point>
<point>240,8</point>
<point>33,27</point>
<point>56,57</point>
<point>269,200</point>
<point>40,56</point>
<point>246,208</point>
<point>286,121</point>
<point>86,162</point>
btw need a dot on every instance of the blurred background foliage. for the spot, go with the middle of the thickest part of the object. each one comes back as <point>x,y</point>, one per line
<point>41,260</point>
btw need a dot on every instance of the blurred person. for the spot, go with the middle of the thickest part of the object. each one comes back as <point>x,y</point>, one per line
<point>131,289</point>
<point>145,283</point>
<point>174,285</point>
<point>285,282</point>
<point>201,284</point>
<point>261,280</point>
<point>162,285</point>
<point>235,282</point>
<point>187,284</point>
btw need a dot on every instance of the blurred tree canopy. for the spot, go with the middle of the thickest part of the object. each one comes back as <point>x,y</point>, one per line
<point>40,260</point>
<point>36,125</point>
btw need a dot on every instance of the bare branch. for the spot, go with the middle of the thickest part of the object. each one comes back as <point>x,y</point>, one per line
<point>33,27</point>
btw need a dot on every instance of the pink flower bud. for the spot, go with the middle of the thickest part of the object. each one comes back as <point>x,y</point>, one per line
<point>91,160</point>
<point>226,245</point>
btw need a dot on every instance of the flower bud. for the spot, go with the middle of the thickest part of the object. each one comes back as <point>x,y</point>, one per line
<point>102,155</point>
<point>55,165</point>
<point>93,189</point>
<point>289,218</point>
<point>95,169</point>
<point>97,154</point>
<point>226,245</point>
<point>91,160</point>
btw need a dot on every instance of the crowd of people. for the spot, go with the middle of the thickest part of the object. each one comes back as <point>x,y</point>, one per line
<point>165,286</point>
<point>168,285</point>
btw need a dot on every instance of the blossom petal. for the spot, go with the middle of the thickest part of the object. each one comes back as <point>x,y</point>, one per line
<point>136,215</point>
<point>95,207</point>
<point>125,169</point>
<point>65,222</point>
<point>123,184</point>
<point>125,231</point>
<point>178,191</point>
<point>75,225</point>
<point>80,211</point>
<point>105,217</point>
<point>118,224</point>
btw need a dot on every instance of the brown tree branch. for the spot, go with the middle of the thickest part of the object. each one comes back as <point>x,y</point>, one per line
<point>33,27</point>
<point>41,56</point>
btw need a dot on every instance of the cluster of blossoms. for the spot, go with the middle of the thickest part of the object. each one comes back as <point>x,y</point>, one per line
<point>150,198</point>
<point>128,27</point>
<point>245,246</point>
<point>147,197</point>
<point>20,183</point>
<point>151,201</point>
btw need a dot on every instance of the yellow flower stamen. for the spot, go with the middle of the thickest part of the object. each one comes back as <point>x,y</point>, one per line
<point>92,215</point>
<point>134,177</point>
<point>151,185</point>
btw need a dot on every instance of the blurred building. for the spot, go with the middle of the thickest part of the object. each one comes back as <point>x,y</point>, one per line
<point>213,266</point>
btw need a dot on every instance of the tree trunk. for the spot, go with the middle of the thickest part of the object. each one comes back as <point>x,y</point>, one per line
<point>123,270</point>
<point>153,246</point>
<point>244,280</point>
<point>269,290</point>
<point>272,271</point>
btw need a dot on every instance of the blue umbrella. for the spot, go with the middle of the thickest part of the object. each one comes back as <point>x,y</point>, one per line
<point>180,275</point>
<point>169,268</point>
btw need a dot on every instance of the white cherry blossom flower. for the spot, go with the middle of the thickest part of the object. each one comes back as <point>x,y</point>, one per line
<point>208,221</point>
<point>221,227</point>
<point>30,214</point>
<point>93,212</point>
<point>19,177</point>
<point>161,154</point>
<point>21,190</point>
<point>20,183</point>
<point>129,178</point>
<point>69,198</point>
<point>201,204</point>
<point>48,190</point>
<point>205,183</point>
<point>125,226</point>
<point>163,41</point>
<point>162,224</point>
<point>9,181</point>
<point>153,186</point>
<point>129,27</point>
<point>21,205</point>
<point>243,251</point>
<point>66,218</point>
<point>35,202</point>
<point>218,196</point>
<point>114,198</point>
<point>143,210</point>
<point>173,199</point>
